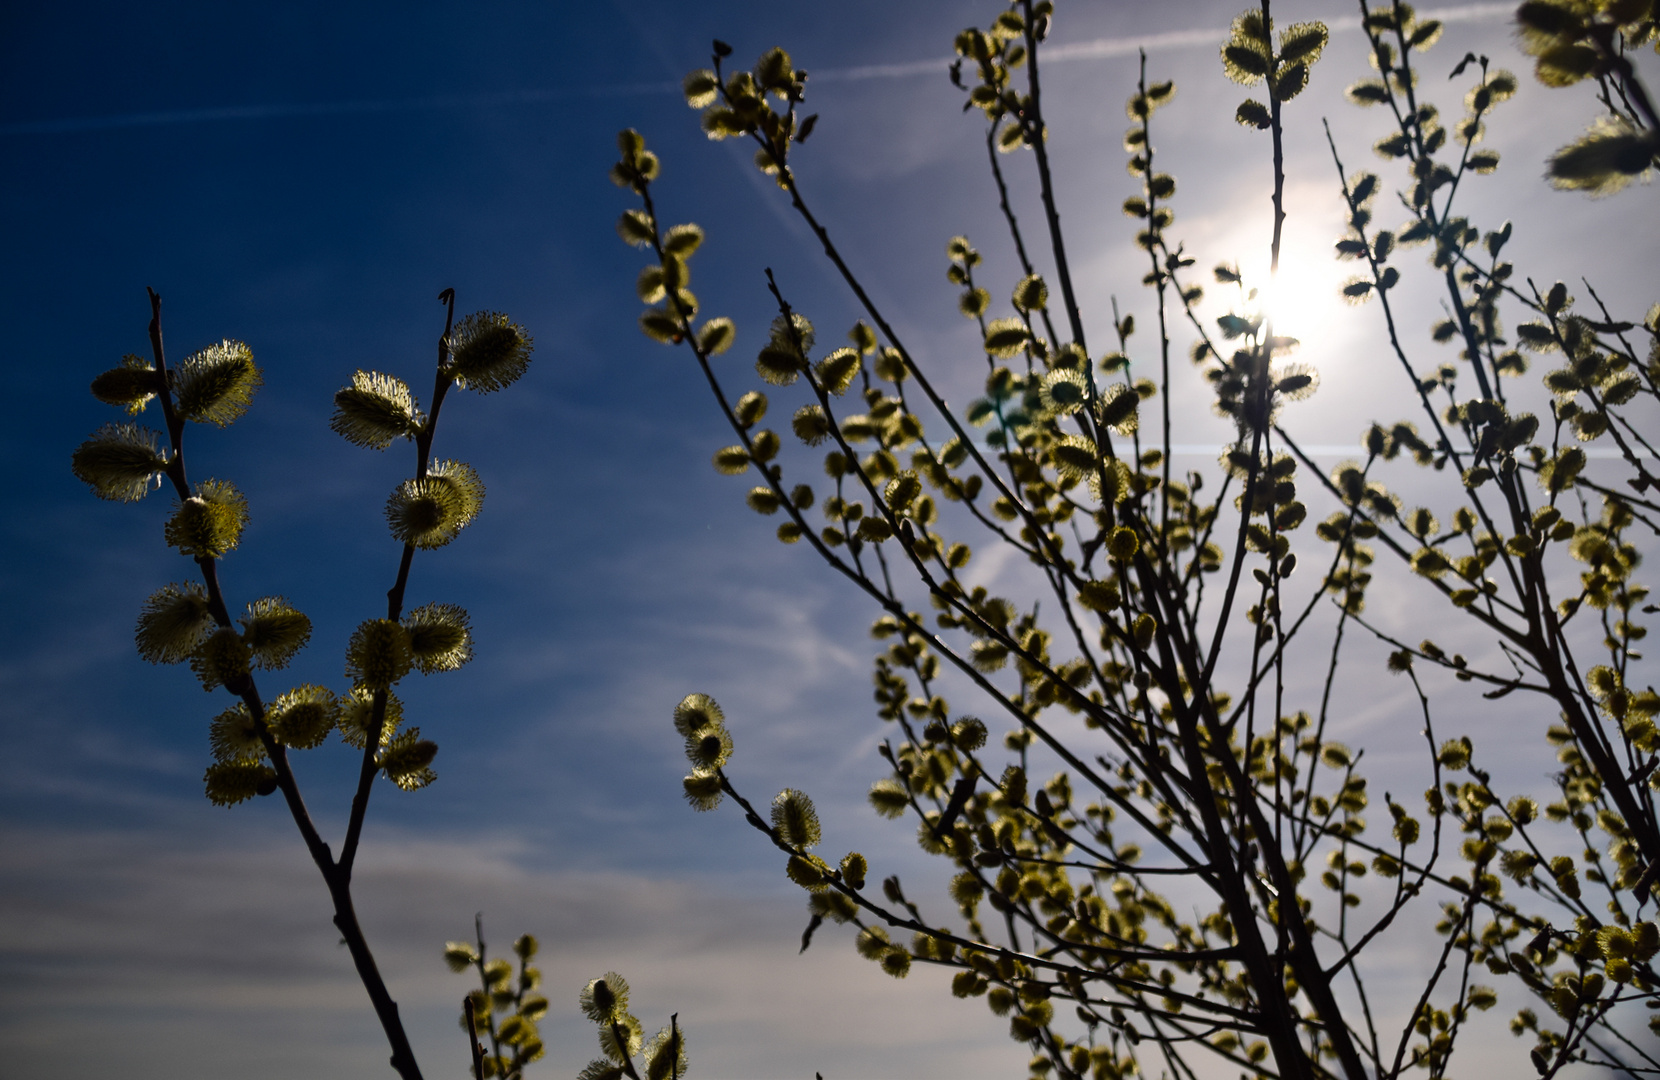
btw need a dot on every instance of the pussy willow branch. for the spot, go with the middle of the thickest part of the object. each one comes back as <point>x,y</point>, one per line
<point>1446,443</point>
<point>1613,1060</point>
<point>1031,120</point>
<point>1631,85</point>
<point>1543,638</point>
<point>208,566</point>
<point>1011,221</point>
<point>337,880</point>
<point>394,600</point>
<point>1404,893</point>
<point>968,945</point>
<point>1160,280</point>
<point>476,1048</point>
<point>1035,131</point>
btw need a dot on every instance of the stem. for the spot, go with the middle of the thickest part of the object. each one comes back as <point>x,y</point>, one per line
<point>477,1051</point>
<point>345,918</point>
<point>1032,118</point>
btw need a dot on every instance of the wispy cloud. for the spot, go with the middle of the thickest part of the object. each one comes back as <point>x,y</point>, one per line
<point>223,946</point>
<point>1096,49</point>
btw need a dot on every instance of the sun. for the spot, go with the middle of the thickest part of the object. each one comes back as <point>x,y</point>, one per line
<point>1302,298</point>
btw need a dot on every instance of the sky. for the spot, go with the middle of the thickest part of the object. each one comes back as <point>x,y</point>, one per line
<point>307,178</point>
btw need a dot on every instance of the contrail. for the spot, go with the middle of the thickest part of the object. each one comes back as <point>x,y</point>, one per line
<point>1107,48</point>
<point>1098,49</point>
<point>324,108</point>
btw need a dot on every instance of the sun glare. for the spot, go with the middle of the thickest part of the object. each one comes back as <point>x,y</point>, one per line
<point>1301,300</point>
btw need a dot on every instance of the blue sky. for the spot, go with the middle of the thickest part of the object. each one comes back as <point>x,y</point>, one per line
<point>307,178</point>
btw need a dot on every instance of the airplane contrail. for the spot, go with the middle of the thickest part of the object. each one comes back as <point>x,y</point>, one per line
<point>1107,48</point>
<point>323,108</point>
<point>1098,49</point>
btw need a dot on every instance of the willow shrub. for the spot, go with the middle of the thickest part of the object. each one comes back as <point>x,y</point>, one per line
<point>1208,879</point>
